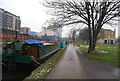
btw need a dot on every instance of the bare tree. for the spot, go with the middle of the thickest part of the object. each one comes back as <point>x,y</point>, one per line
<point>56,25</point>
<point>72,34</point>
<point>94,14</point>
<point>118,40</point>
<point>84,35</point>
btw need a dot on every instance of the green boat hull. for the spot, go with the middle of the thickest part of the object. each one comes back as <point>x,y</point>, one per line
<point>20,57</point>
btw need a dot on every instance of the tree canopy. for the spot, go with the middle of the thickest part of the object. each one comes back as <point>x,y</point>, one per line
<point>94,14</point>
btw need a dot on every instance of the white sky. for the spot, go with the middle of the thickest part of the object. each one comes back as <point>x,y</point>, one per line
<point>32,13</point>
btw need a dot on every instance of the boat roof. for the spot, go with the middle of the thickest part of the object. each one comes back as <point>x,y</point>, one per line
<point>31,41</point>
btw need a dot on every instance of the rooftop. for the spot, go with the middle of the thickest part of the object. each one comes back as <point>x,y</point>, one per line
<point>9,13</point>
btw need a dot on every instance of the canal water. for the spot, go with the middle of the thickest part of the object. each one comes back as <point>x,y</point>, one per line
<point>17,73</point>
<point>20,71</point>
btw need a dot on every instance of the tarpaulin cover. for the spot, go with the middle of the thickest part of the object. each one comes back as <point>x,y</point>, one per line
<point>36,42</point>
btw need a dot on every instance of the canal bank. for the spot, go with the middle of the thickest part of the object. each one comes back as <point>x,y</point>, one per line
<point>42,71</point>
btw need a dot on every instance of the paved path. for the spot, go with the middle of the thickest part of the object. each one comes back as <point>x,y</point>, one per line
<point>68,66</point>
<point>73,65</point>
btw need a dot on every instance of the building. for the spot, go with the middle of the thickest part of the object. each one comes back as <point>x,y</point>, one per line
<point>32,33</point>
<point>48,31</point>
<point>1,18</point>
<point>25,30</point>
<point>106,36</point>
<point>9,26</point>
<point>9,21</point>
<point>51,32</point>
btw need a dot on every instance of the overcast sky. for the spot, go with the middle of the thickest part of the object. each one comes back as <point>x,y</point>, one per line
<point>31,12</point>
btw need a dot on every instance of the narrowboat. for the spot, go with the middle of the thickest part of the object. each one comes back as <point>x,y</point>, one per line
<point>27,52</point>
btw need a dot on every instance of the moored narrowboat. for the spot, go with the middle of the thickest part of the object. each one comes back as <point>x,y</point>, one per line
<point>27,52</point>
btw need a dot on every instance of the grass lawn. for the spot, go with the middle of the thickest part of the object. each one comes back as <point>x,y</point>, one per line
<point>106,53</point>
<point>42,71</point>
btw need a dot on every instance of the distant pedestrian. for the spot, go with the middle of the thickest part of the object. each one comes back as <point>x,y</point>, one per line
<point>65,42</point>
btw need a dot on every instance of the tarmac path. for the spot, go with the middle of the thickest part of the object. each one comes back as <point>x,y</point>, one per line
<point>73,65</point>
<point>68,66</point>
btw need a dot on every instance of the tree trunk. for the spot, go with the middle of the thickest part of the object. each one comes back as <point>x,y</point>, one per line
<point>91,50</point>
<point>89,28</point>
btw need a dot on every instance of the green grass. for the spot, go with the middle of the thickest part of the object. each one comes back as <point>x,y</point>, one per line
<point>42,71</point>
<point>106,53</point>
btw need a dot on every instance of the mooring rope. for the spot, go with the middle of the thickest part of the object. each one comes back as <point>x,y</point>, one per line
<point>35,60</point>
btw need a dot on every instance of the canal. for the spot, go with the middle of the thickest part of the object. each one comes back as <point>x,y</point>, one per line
<point>17,73</point>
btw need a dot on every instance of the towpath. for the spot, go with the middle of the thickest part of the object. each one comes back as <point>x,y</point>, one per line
<point>68,66</point>
<point>73,65</point>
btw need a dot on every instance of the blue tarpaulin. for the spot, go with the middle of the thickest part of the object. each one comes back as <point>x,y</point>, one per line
<point>36,42</point>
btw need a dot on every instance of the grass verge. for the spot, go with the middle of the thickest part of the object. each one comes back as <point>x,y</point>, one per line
<point>42,71</point>
<point>106,53</point>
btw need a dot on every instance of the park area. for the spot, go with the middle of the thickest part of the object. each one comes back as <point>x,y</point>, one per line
<point>107,53</point>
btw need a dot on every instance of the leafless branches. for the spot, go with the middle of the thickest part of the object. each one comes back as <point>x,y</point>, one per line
<point>94,14</point>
